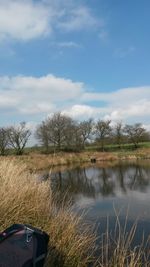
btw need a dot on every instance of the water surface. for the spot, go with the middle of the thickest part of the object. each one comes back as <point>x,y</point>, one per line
<point>104,190</point>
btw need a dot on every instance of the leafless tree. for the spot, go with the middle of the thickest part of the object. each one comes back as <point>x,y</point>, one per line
<point>58,127</point>
<point>73,137</point>
<point>18,137</point>
<point>41,134</point>
<point>102,131</point>
<point>85,128</point>
<point>118,133</point>
<point>59,131</point>
<point>3,140</point>
<point>135,133</point>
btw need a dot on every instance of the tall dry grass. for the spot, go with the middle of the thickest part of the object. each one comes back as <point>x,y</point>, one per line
<point>37,161</point>
<point>117,249</point>
<point>24,200</point>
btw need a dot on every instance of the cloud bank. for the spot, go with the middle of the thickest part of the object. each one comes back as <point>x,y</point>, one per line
<point>36,96</point>
<point>32,95</point>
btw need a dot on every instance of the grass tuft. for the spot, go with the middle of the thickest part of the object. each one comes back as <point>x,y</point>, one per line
<point>24,200</point>
<point>117,249</point>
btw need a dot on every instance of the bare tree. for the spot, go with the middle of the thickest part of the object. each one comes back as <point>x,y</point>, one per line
<point>42,135</point>
<point>73,137</point>
<point>3,140</point>
<point>18,137</point>
<point>118,133</point>
<point>135,133</point>
<point>102,130</point>
<point>58,126</point>
<point>58,130</point>
<point>85,128</point>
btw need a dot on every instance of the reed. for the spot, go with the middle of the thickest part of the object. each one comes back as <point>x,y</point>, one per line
<point>24,200</point>
<point>117,249</point>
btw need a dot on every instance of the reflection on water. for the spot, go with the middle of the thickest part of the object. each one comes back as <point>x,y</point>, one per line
<point>99,190</point>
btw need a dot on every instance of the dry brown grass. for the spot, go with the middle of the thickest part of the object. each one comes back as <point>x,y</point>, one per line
<point>37,161</point>
<point>23,200</point>
<point>117,249</point>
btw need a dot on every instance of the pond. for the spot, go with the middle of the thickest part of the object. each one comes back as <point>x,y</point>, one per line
<point>103,190</point>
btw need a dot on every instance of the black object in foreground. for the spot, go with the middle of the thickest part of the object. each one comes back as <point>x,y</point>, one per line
<point>23,246</point>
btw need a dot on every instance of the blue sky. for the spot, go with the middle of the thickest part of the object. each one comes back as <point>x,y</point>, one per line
<point>86,58</point>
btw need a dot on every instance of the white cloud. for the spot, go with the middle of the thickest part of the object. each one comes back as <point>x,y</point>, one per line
<point>127,104</point>
<point>39,96</point>
<point>121,96</point>
<point>84,111</point>
<point>25,20</point>
<point>79,111</point>
<point>32,95</point>
<point>147,127</point>
<point>79,18</point>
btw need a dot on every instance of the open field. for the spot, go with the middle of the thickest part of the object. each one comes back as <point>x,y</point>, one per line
<point>115,147</point>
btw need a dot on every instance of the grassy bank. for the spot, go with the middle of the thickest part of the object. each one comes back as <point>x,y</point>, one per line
<point>24,200</point>
<point>38,161</point>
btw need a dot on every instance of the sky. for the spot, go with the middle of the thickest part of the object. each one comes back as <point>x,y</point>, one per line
<point>85,58</point>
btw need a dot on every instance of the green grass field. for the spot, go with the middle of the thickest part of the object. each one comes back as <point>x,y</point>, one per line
<point>115,147</point>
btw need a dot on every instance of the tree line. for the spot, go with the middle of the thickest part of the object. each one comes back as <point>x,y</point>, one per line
<point>61,132</point>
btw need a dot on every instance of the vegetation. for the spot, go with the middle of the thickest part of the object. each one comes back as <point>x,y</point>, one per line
<point>102,130</point>
<point>24,200</point>
<point>58,131</point>
<point>18,137</point>
<point>3,140</point>
<point>85,131</point>
<point>135,133</point>
<point>117,251</point>
<point>118,133</point>
<point>61,133</point>
<point>15,137</point>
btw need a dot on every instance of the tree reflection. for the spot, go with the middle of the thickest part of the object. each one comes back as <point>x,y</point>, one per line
<point>71,183</point>
<point>121,179</point>
<point>93,182</point>
<point>106,184</point>
<point>139,180</point>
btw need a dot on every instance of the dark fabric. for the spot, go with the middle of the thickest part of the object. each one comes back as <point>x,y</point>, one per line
<point>28,264</point>
<point>21,246</point>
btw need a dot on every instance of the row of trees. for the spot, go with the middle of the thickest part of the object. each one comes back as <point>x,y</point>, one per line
<point>62,132</point>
